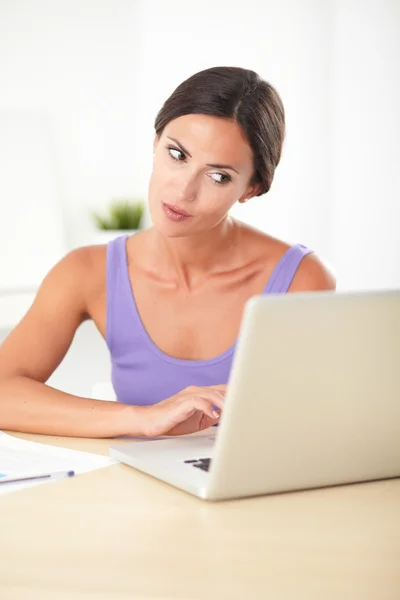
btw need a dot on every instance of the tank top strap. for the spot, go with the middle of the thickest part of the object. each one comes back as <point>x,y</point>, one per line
<point>119,292</point>
<point>285,270</point>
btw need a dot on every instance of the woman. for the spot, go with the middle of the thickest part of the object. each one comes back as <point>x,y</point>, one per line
<point>168,300</point>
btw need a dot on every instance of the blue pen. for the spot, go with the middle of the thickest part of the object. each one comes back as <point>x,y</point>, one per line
<point>51,476</point>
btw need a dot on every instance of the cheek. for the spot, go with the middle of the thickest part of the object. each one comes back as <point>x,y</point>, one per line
<point>160,177</point>
<point>218,199</point>
<point>155,181</point>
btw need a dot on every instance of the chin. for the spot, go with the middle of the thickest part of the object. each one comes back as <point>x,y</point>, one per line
<point>171,231</point>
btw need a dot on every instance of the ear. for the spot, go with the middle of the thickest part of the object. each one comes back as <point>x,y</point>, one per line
<point>251,191</point>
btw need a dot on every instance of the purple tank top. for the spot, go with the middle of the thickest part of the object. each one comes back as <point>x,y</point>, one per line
<point>141,373</point>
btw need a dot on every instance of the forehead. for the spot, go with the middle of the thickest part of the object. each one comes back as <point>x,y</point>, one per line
<point>215,139</point>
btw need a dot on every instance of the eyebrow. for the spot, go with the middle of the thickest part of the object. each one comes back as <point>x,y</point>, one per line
<point>214,166</point>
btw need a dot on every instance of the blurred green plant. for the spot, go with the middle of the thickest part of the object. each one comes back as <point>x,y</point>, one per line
<point>122,214</point>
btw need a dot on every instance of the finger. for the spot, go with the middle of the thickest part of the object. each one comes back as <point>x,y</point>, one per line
<point>198,403</point>
<point>189,406</point>
<point>212,406</point>
<point>206,422</point>
<point>212,393</point>
<point>204,402</point>
<point>214,397</point>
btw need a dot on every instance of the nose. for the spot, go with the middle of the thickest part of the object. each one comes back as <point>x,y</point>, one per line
<point>186,187</point>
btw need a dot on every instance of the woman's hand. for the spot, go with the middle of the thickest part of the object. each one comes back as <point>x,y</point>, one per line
<point>190,410</point>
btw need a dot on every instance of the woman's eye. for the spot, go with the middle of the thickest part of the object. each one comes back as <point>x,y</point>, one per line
<point>221,178</point>
<point>176,154</point>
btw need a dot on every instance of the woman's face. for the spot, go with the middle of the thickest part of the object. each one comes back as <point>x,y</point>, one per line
<point>202,166</point>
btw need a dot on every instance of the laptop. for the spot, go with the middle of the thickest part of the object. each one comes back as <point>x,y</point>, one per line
<point>313,400</point>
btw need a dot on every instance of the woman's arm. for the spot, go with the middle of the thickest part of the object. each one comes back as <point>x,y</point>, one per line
<point>34,349</point>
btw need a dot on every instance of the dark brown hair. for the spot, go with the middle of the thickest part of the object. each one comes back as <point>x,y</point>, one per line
<point>239,94</point>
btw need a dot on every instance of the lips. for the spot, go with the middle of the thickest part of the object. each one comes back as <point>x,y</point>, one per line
<point>177,210</point>
<point>175,214</point>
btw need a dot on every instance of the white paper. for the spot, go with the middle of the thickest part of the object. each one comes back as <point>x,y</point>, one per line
<point>20,458</point>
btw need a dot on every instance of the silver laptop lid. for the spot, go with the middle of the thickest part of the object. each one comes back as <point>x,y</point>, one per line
<point>314,394</point>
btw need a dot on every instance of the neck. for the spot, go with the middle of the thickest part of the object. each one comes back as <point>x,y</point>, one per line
<point>188,261</point>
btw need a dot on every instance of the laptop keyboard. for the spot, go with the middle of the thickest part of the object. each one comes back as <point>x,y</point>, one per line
<point>200,463</point>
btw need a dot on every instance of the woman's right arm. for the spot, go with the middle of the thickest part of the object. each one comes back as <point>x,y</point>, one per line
<point>35,348</point>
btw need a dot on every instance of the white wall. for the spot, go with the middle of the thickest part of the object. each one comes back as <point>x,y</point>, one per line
<point>102,70</point>
<point>366,144</point>
<point>77,60</point>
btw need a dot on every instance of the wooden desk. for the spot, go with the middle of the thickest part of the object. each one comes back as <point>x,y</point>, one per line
<point>119,534</point>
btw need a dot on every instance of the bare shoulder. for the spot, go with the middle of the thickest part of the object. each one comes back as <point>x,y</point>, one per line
<point>313,274</point>
<point>78,277</point>
<point>262,246</point>
<point>89,257</point>
<point>38,343</point>
<point>91,260</point>
<point>87,264</point>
